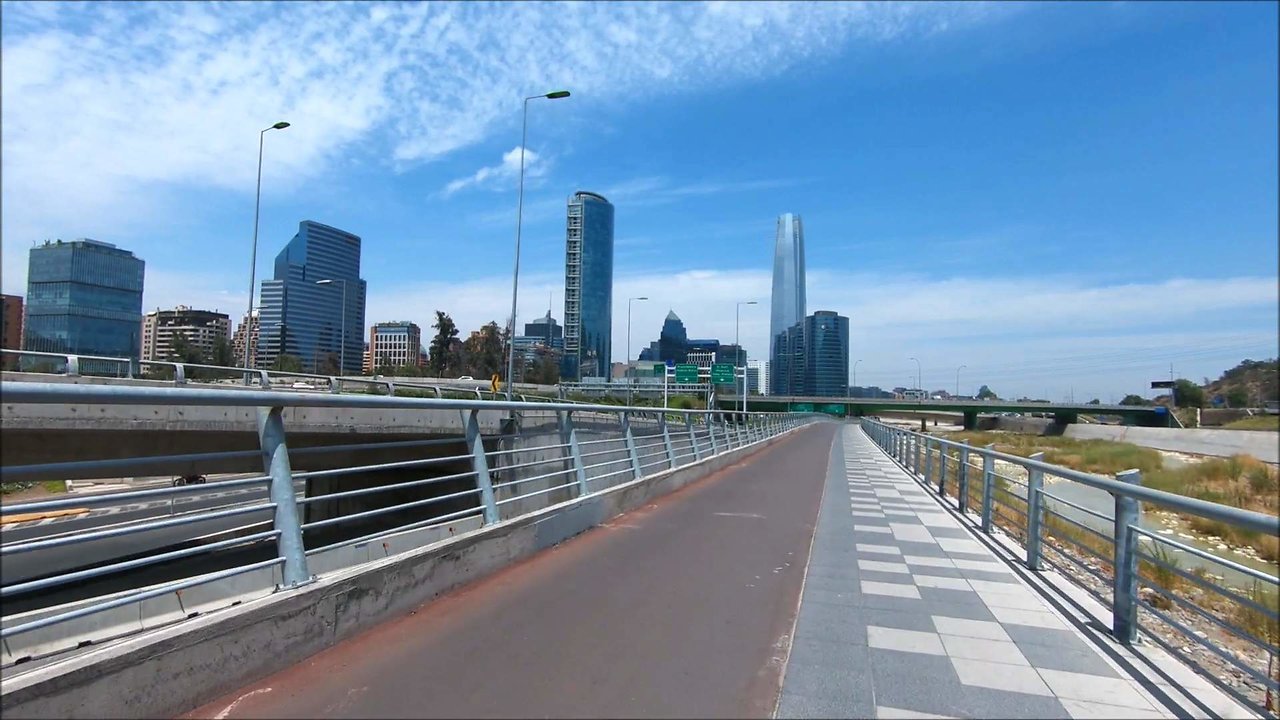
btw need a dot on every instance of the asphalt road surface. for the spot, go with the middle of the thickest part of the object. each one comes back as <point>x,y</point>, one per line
<point>681,608</point>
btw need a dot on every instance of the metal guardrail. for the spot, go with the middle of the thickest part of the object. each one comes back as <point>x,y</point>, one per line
<point>1038,516</point>
<point>548,452</point>
<point>72,365</point>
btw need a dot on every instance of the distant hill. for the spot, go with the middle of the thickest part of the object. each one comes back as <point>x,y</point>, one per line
<point>1252,381</point>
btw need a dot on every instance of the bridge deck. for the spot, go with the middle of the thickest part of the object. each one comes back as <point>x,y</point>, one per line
<point>688,608</point>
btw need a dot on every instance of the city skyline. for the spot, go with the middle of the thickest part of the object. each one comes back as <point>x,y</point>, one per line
<point>977,192</point>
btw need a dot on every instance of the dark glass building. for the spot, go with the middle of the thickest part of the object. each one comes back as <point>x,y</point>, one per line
<point>811,358</point>
<point>301,317</point>
<point>84,297</point>
<point>547,330</point>
<point>588,287</point>
<point>788,295</point>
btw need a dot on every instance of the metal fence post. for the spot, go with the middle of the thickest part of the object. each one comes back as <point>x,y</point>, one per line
<point>963,503</point>
<point>1124,606</point>
<point>988,485</point>
<point>919,441</point>
<point>942,469</point>
<point>631,445</point>
<point>666,440</point>
<point>73,366</point>
<point>1035,504</point>
<point>711,433</point>
<point>693,437</point>
<point>928,462</point>
<point>480,463</point>
<point>573,455</point>
<point>275,461</point>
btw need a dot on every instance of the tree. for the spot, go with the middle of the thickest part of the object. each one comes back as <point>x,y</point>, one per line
<point>222,353</point>
<point>1135,400</point>
<point>1094,401</point>
<point>985,393</point>
<point>1237,397</point>
<point>1188,394</point>
<point>410,370</point>
<point>329,364</point>
<point>483,350</point>
<point>287,363</point>
<point>442,356</point>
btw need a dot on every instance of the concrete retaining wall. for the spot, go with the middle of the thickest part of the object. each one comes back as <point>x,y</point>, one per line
<point>171,670</point>
<point>1199,441</point>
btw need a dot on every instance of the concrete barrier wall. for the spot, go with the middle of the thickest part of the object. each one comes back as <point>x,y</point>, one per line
<point>171,670</point>
<point>1261,444</point>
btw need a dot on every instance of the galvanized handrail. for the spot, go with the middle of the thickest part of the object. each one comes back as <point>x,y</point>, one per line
<point>506,479</point>
<point>907,446</point>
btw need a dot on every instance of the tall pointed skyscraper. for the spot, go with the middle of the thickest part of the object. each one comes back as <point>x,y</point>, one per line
<point>788,278</point>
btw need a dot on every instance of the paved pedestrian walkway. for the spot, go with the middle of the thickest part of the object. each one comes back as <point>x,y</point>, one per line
<point>905,614</point>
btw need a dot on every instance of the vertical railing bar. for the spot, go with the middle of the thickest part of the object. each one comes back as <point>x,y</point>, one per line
<point>480,463</point>
<point>275,462</point>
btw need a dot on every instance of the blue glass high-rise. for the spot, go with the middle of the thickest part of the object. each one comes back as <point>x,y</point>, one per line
<point>788,295</point>
<point>826,355</point>
<point>84,297</point>
<point>305,320</point>
<point>588,287</point>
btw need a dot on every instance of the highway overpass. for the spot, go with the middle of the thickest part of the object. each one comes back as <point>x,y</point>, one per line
<point>1064,413</point>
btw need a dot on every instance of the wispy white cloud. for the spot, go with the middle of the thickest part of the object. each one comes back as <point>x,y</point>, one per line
<point>112,104</point>
<point>505,173</point>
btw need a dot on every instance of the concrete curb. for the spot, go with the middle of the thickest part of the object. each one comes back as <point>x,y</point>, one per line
<point>28,517</point>
<point>172,670</point>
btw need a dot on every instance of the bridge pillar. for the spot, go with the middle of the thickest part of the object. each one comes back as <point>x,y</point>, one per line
<point>970,420</point>
<point>1066,418</point>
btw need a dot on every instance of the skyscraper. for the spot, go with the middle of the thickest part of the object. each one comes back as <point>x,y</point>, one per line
<point>788,301</point>
<point>588,287</point>
<point>826,355</point>
<point>303,318</point>
<point>84,297</point>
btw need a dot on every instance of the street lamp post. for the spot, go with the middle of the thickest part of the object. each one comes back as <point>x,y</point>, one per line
<point>737,350</point>
<point>342,352</point>
<point>630,378</point>
<point>958,378</point>
<point>253,262</point>
<point>855,372</point>
<point>515,275</point>
<point>919,372</point>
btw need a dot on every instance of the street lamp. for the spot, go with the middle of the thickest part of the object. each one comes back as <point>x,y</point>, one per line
<point>629,373</point>
<point>855,372</point>
<point>958,378</point>
<point>515,275</point>
<point>253,263</point>
<point>342,353</point>
<point>737,345</point>
<point>918,373</point>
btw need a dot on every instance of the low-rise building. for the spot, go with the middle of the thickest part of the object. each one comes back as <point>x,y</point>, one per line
<point>199,330</point>
<point>394,344</point>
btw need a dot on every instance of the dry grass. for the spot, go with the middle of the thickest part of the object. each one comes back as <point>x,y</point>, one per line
<point>1257,422</point>
<point>1095,456</point>
<point>1240,481</point>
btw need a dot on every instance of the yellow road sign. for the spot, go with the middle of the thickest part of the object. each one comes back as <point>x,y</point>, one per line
<point>493,383</point>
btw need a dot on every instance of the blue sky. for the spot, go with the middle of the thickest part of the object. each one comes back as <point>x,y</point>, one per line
<point>1064,198</point>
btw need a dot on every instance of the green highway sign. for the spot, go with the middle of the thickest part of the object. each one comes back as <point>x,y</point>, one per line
<point>686,373</point>
<point>722,374</point>
<point>659,370</point>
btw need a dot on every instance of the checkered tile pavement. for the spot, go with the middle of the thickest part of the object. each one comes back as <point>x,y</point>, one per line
<point>904,614</point>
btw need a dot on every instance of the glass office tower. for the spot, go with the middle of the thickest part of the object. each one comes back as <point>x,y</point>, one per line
<point>788,298</point>
<point>588,287</point>
<point>826,355</point>
<point>84,297</point>
<point>305,319</point>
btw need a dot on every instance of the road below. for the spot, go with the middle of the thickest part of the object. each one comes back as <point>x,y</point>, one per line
<point>681,608</point>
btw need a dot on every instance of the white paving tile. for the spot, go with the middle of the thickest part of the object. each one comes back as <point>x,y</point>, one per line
<point>904,590</point>
<point>885,712</point>
<point>863,513</point>
<point>997,651</point>
<point>927,561</point>
<point>962,545</point>
<point>880,549</point>
<point>910,533</point>
<point>1095,688</point>
<point>937,520</point>
<point>872,529</point>
<point>1003,588</point>
<point>1017,601</point>
<point>882,566</point>
<point>1032,618</point>
<point>899,513</point>
<point>983,565</point>
<point>904,640</point>
<point>964,627</point>
<point>945,583</point>
<point>1083,710</point>
<point>998,676</point>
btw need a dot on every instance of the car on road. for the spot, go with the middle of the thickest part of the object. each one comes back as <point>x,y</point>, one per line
<point>466,377</point>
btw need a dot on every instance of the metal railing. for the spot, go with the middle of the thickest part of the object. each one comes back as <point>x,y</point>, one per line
<point>1113,549</point>
<point>302,524</point>
<point>183,373</point>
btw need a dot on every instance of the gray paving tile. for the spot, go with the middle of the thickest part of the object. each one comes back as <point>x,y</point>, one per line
<point>827,623</point>
<point>834,583</point>
<point>843,685</point>
<point>923,683</point>
<point>951,532</point>
<point>895,617</point>
<point>792,705</point>
<point>879,576</point>
<point>849,597</point>
<point>945,596</point>
<point>1071,659</point>
<point>981,702</point>
<point>1063,639</point>
<point>832,570</point>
